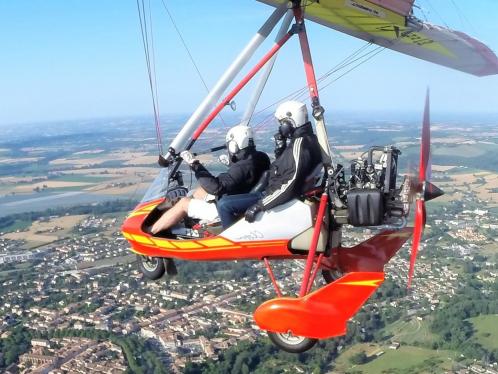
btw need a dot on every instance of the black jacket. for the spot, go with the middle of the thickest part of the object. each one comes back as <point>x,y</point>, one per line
<point>289,171</point>
<point>240,177</point>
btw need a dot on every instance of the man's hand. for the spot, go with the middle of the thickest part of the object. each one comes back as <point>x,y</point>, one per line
<point>224,159</point>
<point>188,157</point>
<point>250,215</point>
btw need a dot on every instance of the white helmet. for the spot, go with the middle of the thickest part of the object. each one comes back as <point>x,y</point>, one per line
<point>238,138</point>
<point>291,115</point>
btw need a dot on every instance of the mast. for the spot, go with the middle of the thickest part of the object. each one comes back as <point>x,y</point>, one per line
<point>266,73</point>
<point>214,95</point>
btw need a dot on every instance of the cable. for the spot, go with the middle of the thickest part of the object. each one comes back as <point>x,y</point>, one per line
<point>437,13</point>
<point>463,17</point>
<point>158,128</point>
<point>145,41</point>
<point>379,50</point>
<point>343,64</point>
<point>334,69</point>
<point>191,57</point>
<point>184,45</point>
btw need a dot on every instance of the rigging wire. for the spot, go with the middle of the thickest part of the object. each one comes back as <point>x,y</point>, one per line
<point>155,75</point>
<point>299,94</point>
<point>184,45</point>
<point>378,50</point>
<point>463,17</point>
<point>422,10</point>
<point>437,13</point>
<point>150,69</point>
<point>334,69</point>
<point>187,49</point>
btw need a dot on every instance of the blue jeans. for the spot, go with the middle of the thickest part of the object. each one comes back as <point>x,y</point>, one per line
<point>231,207</point>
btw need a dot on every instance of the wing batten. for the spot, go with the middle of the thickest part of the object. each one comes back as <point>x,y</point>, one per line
<point>389,23</point>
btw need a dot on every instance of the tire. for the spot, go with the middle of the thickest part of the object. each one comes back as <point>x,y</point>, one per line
<point>151,267</point>
<point>291,343</point>
<point>331,275</point>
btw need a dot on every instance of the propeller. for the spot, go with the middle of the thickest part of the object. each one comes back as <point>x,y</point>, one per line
<point>424,190</point>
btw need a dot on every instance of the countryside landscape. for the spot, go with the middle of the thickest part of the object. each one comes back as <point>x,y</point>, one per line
<point>73,300</point>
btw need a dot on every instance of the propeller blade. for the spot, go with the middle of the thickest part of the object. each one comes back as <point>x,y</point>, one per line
<point>424,188</point>
<point>425,144</point>
<point>418,230</point>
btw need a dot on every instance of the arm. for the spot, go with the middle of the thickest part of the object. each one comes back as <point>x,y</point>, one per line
<point>199,193</point>
<point>223,183</point>
<point>290,176</point>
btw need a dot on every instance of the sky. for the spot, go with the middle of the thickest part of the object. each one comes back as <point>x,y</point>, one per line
<point>78,59</point>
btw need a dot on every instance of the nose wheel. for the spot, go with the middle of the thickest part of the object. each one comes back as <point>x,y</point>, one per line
<point>291,343</point>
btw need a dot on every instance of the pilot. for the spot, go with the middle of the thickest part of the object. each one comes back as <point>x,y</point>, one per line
<point>297,155</point>
<point>246,165</point>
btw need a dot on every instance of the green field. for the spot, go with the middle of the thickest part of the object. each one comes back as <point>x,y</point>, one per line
<point>463,150</point>
<point>486,333</point>
<point>7,274</point>
<point>405,360</point>
<point>90,155</point>
<point>66,189</point>
<point>467,155</point>
<point>17,225</point>
<point>494,210</point>
<point>489,249</point>
<point>80,178</point>
<point>410,332</point>
<point>125,259</point>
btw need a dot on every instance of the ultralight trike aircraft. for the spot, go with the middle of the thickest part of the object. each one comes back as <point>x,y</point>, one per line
<point>309,228</point>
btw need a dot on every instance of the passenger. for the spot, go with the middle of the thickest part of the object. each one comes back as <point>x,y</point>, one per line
<point>294,162</point>
<point>246,165</point>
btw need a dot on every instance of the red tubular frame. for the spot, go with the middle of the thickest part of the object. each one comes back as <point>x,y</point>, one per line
<point>306,52</point>
<point>272,277</point>
<point>241,85</point>
<point>313,245</point>
<point>313,90</point>
<point>315,271</point>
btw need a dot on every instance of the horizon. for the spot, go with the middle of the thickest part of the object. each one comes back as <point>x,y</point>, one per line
<point>79,61</point>
<point>347,113</point>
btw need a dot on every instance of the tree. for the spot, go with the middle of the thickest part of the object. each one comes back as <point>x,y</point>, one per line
<point>359,358</point>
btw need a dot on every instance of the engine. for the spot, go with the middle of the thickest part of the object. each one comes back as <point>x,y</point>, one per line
<point>370,196</point>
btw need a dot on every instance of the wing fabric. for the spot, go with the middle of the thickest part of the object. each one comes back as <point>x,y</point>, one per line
<point>403,7</point>
<point>389,23</point>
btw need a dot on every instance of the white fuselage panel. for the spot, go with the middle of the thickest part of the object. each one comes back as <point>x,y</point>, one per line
<point>282,222</point>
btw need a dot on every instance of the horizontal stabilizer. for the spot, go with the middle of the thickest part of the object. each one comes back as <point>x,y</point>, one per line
<point>373,254</point>
<point>323,313</point>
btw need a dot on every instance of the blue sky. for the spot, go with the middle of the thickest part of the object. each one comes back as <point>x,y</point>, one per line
<point>71,59</point>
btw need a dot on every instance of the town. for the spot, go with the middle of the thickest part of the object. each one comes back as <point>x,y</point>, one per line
<point>90,282</point>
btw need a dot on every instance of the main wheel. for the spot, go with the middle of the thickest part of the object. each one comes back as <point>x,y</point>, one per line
<point>151,267</point>
<point>291,343</point>
<point>331,275</point>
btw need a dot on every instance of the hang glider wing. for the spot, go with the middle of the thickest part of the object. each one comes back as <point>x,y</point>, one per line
<point>389,23</point>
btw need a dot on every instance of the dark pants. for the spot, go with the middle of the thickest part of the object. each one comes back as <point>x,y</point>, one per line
<point>231,207</point>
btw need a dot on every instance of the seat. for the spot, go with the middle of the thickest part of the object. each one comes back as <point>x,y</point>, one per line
<point>214,227</point>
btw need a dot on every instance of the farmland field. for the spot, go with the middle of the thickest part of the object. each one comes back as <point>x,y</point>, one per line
<point>486,333</point>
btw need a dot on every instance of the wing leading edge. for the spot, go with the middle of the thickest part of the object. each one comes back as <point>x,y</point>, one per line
<point>388,23</point>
